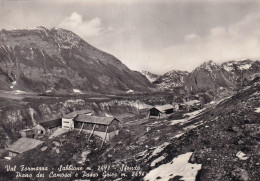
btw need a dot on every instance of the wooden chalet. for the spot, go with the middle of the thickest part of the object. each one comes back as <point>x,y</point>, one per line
<point>104,127</point>
<point>161,111</point>
<point>22,145</point>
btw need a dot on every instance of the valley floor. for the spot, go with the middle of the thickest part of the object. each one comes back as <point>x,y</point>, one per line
<point>221,142</point>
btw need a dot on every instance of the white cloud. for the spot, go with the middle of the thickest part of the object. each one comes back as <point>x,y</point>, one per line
<point>237,41</point>
<point>191,38</point>
<point>89,28</point>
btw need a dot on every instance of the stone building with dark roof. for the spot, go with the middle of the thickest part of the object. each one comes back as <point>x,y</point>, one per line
<point>161,111</point>
<point>22,145</point>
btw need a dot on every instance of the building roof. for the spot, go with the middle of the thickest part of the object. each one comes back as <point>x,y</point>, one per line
<point>25,130</point>
<point>192,102</point>
<point>51,124</point>
<point>24,144</point>
<point>71,115</point>
<point>163,108</point>
<point>74,114</point>
<point>95,119</point>
<point>84,111</point>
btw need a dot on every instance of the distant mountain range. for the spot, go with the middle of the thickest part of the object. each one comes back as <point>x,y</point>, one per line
<point>57,60</point>
<point>209,76</point>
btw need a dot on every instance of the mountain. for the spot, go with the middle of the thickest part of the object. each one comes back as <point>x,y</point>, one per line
<point>243,70</point>
<point>172,80</point>
<point>57,60</point>
<point>209,76</point>
<point>150,76</point>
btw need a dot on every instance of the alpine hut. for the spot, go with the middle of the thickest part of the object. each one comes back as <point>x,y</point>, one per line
<point>104,127</point>
<point>161,111</point>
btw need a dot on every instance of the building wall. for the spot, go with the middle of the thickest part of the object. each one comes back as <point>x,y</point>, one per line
<point>110,135</point>
<point>89,126</point>
<point>154,112</point>
<point>163,115</point>
<point>169,111</point>
<point>67,123</point>
<point>12,154</point>
<point>113,126</point>
<point>39,130</point>
<point>29,133</point>
<point>99,127</point>
<point>103,134</point>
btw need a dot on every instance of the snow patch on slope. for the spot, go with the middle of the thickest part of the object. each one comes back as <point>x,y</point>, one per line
<point>19,92</point>
<point>245,66</point>
<point>190,115</point>
<point>178,135</point>
<point>173,122</point>
<point>241,155</point>
<point>228,68</point>
<point>257,110</point>
<point>159,149</point>
<point>179,166</point>
<point>130,91</point>
<point>76,91</point>
<point>194,113</point>
<point>13,85</point>
<point>157,160</point>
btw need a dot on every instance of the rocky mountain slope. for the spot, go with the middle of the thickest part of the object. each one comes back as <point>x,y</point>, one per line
<point>57,60</point>
<point>150,76</point>
<point>209,76</point>
<point>243,70</point>
<point>172,80</point>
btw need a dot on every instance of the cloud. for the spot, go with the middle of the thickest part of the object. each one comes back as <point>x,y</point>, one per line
<point>191,38</point>
<point>88,28</point>
<point>222,43</point>
<point>234,42</point>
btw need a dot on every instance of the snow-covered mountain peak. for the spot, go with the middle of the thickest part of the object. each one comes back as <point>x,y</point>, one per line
<point>209,66</point>
<point>234,65</point>
<point>177,72</point>
<point>150,76</point>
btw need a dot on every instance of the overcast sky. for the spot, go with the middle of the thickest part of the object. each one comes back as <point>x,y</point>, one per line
<point>154,35</point>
